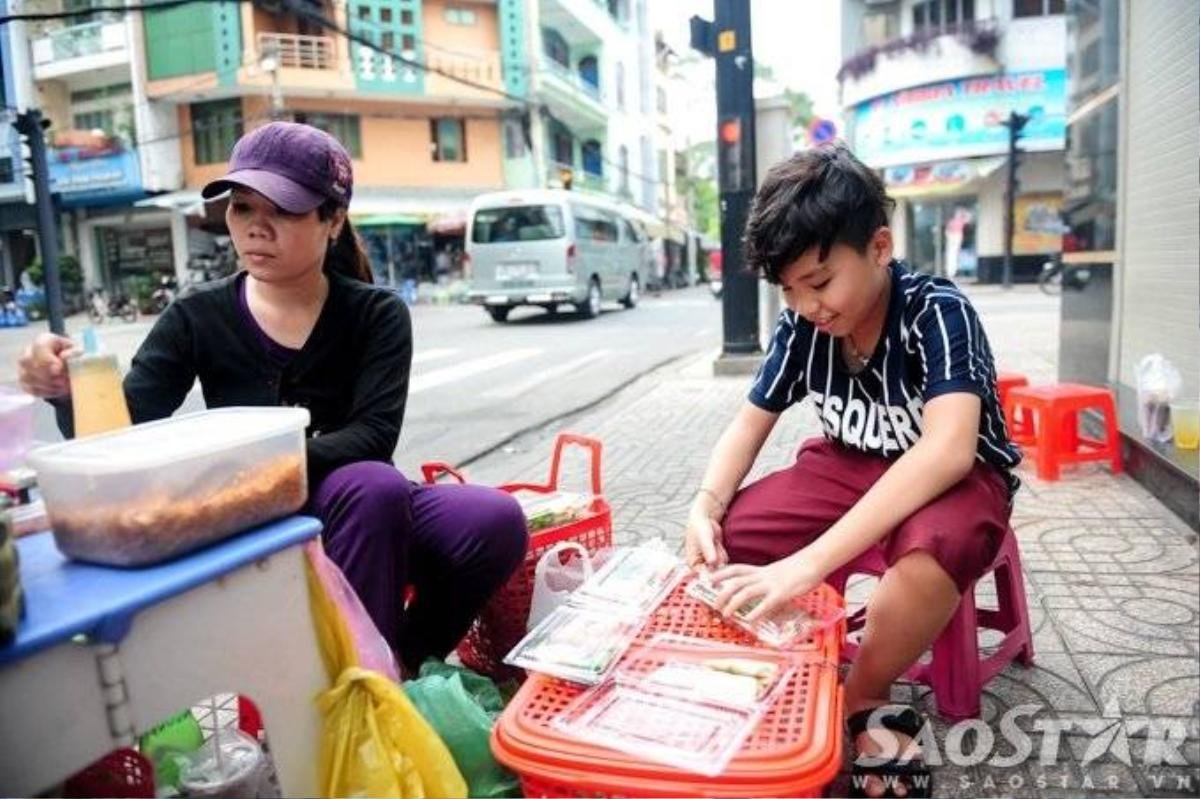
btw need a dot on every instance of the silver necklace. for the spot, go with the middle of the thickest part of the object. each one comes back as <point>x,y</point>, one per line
<point>858,360</point>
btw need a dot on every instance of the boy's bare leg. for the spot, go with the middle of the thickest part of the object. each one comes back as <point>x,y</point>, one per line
<point>913,602</point>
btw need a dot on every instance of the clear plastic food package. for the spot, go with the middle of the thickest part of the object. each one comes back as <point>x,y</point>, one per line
<point>705,671</point>
<point>785,625</point>
<point>694,736</point>
<point>632,579</point>
<point>579,644</point>
<point>150,492</point>
<point>543,511</point>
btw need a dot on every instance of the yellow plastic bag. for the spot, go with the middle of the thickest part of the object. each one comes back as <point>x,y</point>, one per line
<point>374,741</point>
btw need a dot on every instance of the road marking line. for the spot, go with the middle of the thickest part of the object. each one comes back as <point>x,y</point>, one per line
<point>450,374</point>
<point>515,389</point>
<point>432,355</point>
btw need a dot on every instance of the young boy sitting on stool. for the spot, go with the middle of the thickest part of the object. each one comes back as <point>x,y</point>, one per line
<point>915,455</point>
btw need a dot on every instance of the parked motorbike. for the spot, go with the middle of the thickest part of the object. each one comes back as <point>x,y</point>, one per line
<point>1050,281</point>
<point>11,313</point>
<point>101,307</point>
<point>164,295</point>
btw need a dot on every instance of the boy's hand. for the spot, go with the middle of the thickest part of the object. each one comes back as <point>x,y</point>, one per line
<point>43,366</point>
<point>702,541</point>
<point>774,585</point>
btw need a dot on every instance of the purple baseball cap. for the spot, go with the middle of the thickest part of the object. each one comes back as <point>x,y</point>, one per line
<point>295,166</point>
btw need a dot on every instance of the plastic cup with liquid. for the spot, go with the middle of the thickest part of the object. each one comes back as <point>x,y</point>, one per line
<point>97,397</point>
<point>1185,419</point>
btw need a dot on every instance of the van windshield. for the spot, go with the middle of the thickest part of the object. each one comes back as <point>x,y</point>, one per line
<point>517,223</point>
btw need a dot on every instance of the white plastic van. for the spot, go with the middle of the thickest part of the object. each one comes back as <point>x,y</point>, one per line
<point>547,247</point>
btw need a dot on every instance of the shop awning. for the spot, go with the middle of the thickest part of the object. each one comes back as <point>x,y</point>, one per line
<point>940,178</point>
<point>186,201</point>
<point>452,224</point>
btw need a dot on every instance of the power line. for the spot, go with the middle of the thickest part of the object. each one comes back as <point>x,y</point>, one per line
<point>307,13</point>
<point>116,9</point>
<point>323,21</point>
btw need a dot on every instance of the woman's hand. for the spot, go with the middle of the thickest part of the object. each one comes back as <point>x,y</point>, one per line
<point>773,585</point>
<point>42,368</point>
<point>702,545</point>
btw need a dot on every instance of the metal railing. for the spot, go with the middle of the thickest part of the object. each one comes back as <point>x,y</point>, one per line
<point>576,80</point>
<point>580,179</point>
<point>296,51</point>
<point>484,67</point>
<point>77,40</point>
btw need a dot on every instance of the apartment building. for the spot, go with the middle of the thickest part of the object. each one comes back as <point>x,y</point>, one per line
<point>925,85</point>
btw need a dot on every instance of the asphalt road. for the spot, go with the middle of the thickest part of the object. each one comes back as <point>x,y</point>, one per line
<point>476,383</point>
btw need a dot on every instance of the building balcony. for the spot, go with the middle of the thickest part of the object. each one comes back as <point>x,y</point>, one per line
<point>483,68</point>
<point>294,51</point>
<point>78,49</point>
<point>581,22</point>
<point>573,100</point>
<point>581,178</point>
<point>925,57</point>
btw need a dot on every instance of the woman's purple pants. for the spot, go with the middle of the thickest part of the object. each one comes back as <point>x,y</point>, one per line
<point>455,544</point>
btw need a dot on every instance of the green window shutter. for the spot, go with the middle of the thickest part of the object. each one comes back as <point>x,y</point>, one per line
<point>216,127</point>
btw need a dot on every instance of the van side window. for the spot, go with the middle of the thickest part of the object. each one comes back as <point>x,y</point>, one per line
<point>593,225</point>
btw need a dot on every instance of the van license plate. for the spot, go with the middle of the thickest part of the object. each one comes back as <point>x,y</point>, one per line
<point>512,271</point>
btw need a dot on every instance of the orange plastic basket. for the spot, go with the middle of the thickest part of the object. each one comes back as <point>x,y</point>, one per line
<point>794,750</point>
<point>502,622</point>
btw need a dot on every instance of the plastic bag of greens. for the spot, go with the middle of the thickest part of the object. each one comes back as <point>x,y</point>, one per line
<point>462,706</point>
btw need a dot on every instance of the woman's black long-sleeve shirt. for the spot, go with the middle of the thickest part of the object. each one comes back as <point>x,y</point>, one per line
<point>351,374</point>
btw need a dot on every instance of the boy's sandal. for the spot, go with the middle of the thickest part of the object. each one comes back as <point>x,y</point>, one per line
<point>911,772</point>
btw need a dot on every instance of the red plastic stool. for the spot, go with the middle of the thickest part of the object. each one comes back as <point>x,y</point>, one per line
<point>1005,381</point>
<point>1055,439</point>
<point>956,672</point>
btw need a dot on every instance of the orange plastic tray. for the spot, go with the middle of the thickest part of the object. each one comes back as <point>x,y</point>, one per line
<point>792,737</point>
<point>539,779</point>
<point>795,749</point>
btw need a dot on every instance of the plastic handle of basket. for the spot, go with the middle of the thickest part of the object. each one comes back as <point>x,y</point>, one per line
<point>592,444</point>
<point>432,471</point>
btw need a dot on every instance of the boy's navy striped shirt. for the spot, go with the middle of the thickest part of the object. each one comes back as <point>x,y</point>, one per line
<point>932,344</point>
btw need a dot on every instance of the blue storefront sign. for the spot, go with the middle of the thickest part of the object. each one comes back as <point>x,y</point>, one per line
<point>961,118</point>
<point>83,177</point>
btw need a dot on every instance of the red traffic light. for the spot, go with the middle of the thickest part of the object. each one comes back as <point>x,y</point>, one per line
<point>731,131</point>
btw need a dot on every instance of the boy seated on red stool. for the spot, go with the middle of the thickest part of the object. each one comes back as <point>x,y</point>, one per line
<point>915,456</point>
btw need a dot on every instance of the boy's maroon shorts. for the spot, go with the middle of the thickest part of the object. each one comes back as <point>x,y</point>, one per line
<point>785,511</point>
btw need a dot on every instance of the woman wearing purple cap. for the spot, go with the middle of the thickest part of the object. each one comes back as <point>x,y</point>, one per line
<point>300,324</point>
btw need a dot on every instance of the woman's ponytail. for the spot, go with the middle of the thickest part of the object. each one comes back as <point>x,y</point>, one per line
<point>346,255</point>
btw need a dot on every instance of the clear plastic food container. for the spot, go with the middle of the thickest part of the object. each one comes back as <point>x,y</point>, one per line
<point>150,492</point>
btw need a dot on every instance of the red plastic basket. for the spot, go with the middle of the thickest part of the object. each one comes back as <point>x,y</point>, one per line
<point>120,773</point>
<point>501,624</point>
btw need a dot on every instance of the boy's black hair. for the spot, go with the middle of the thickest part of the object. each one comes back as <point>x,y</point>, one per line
<point>816,198</point>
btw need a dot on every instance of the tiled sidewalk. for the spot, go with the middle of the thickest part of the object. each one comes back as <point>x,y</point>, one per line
<point>1112,578</point>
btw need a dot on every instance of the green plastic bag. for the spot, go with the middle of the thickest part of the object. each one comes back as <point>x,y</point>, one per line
<point>462,706</point>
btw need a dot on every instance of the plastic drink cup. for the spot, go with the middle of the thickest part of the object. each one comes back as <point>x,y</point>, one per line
<point>96,394</point>
<point>1185,418</point>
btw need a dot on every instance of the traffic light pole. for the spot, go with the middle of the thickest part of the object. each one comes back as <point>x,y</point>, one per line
<point>727,39</point>
<point>30,125</point>
<point>1015,123</point>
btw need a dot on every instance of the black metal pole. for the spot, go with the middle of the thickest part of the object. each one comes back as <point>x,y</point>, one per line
<point>1015,123</point>
<point>30,124</point>
<point>1010,191</point>
<point>736,172</point>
